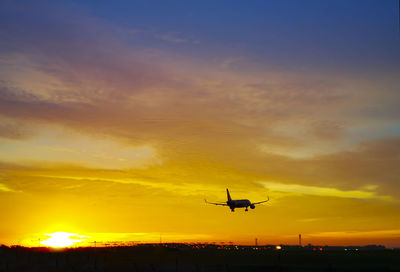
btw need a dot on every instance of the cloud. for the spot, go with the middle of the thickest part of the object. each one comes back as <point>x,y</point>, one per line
<point>322,191</point>
<point>99,84</point>
<point>174,38</point>
<point>188,188</point>
<point>5,188</point>
<point>77,149</point>
<point>374,233</point>
<point>14,130</point>
<point>389,237</point>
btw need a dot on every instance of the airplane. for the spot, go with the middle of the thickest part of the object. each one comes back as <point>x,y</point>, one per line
<point>232,204</point>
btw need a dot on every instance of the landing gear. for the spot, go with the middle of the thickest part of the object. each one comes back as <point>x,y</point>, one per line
<point>232,210</point>
<point>246,209</point>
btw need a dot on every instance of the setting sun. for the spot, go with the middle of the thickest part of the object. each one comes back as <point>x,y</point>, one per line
<point>62,239</point>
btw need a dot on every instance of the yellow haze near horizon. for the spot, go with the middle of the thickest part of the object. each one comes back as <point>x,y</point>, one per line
<point>164,200</point>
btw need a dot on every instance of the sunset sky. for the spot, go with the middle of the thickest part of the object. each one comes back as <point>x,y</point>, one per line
<point>118,118</point>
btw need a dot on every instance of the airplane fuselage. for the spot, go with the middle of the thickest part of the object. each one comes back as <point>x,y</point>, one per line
<point>240,203</point>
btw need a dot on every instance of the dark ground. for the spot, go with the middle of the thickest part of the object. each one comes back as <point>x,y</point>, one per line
<point>175,257</point>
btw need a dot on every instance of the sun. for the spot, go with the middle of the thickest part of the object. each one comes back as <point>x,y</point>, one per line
<point>62,239</point>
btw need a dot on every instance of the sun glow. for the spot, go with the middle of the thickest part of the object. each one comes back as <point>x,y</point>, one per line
<point>62,239</point>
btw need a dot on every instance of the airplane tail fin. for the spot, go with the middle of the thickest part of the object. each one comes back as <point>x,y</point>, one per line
<point>228,195</point>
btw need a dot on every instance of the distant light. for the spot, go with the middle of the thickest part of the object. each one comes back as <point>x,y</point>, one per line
<point>320,249</point>
<point>278,247</point>
<point>314,249</point>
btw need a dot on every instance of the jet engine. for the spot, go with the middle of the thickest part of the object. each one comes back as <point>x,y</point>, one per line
<point>252,206</point>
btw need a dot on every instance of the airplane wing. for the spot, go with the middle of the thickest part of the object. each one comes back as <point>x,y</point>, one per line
<point>215,203</point>
<point>260,202</point>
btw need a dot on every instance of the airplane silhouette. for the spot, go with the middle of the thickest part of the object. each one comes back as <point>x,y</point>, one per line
<point>241,203</point>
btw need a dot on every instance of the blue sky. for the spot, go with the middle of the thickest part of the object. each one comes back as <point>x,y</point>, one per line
<point>350,35</point>
<point>320,33</point>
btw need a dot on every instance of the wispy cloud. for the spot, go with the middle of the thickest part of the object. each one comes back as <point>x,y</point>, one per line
<point>181,188</point>
<point>174,38</point>
<point>373,233</point>
<point>5,188</point>
<point>76,149</point>
<point>322,191</point>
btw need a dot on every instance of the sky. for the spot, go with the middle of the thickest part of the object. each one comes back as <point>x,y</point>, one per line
<point>118,119</point>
